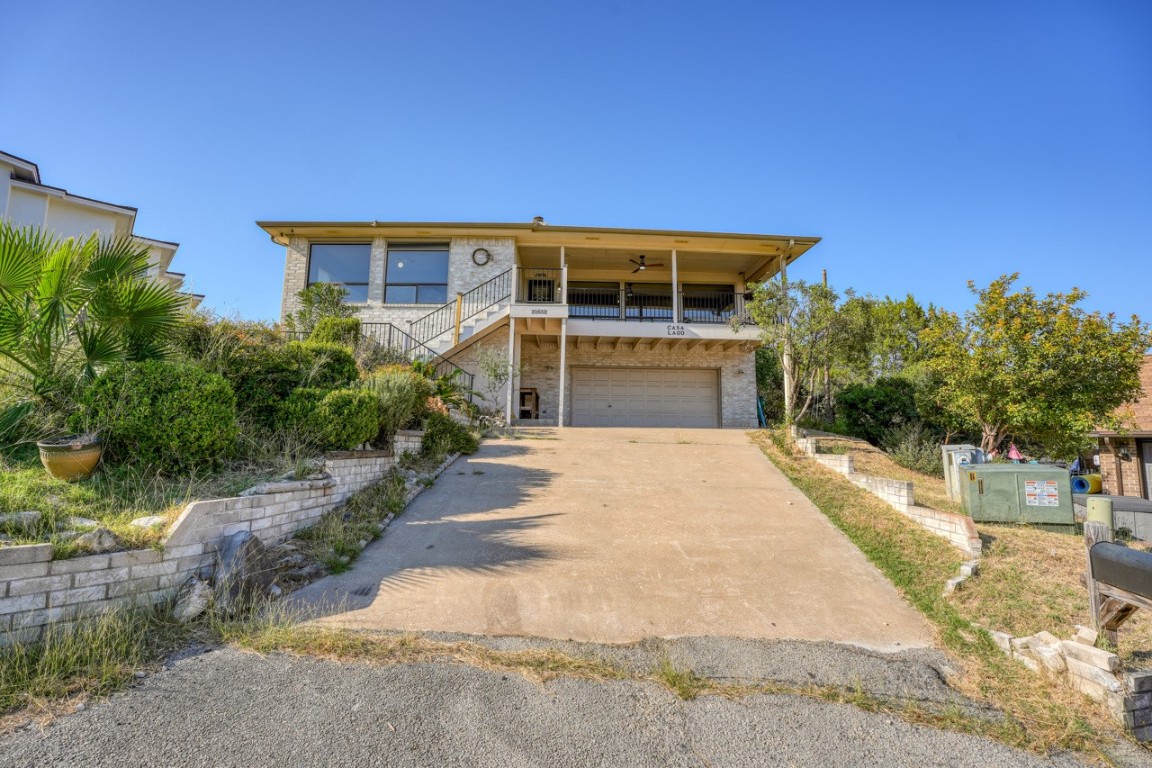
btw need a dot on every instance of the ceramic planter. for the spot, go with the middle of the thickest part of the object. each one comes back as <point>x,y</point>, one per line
<point>73,457</point>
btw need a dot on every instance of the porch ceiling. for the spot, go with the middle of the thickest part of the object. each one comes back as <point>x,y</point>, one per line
<point>601,260</point>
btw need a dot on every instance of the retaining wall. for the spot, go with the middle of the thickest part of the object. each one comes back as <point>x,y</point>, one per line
<point>36,590</point>
<point>958,529</point>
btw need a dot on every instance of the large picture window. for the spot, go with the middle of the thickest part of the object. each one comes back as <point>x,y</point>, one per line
<point>345,264</point>
<point>417,274</point>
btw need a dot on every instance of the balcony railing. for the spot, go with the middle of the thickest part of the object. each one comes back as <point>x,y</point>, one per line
<point>621,304</point>
<point>540,286</point>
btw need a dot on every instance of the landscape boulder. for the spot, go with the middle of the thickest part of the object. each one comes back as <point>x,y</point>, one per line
<point>243,572</point>
<point>99,540</point>
<point>193,599</point>
<point>20,521</point>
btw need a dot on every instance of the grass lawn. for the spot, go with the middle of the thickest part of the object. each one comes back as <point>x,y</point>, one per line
<point>1039,714</point>
<point>114,496</point>
<point>1029,579</point>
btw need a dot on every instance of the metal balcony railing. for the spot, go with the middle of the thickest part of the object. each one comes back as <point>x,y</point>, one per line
<point>712,307</point>
<point>543,285</point>
<point>464,307</point>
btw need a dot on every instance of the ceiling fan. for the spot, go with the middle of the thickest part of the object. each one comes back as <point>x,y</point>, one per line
<point>642,265</point>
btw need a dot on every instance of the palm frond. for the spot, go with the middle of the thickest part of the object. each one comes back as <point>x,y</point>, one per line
<point>117,259</point>
<point>22,251</point>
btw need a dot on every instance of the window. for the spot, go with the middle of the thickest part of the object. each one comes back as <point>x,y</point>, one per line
<point>417,274</point>
<point>345,264</point>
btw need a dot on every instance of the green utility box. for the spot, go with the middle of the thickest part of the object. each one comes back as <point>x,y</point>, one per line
<point>1017,493</point>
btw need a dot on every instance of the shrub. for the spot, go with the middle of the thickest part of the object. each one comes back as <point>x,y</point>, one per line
<point>401,394</point>
<point>442,436</point>
<point>344,331</point>
<point>325,366</point>
<point>316,302</point>
<point>350,418</point>
<point>171,416</point>
<point>915,448</point>
<point>331,420</point>
<point>870,411</point>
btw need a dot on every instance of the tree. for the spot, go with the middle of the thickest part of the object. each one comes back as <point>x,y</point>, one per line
<point>802,324</point>
<point>68,309</point>
<point>318,301</point>
<point>1041,370</point>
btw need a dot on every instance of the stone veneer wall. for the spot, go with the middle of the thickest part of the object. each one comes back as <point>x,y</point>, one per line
<point>959,530</point>
<point>36,590</point>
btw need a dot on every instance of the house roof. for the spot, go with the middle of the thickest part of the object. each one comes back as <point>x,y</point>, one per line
<point>26,170</point>
<point>1140,423</point>
<point>540,233</point>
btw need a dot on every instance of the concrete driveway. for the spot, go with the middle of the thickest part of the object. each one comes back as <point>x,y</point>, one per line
<point>614,535</point>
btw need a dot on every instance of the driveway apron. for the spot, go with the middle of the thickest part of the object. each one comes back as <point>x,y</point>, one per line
<point>615,535</point>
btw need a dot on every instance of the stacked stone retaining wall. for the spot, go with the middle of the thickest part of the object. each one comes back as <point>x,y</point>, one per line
<point>37,590</point>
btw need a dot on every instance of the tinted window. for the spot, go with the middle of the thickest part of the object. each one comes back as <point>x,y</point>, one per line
<point>345,263</point>
<point>417,275</point>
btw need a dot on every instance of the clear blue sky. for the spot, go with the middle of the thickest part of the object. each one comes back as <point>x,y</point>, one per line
<point>927,143</point>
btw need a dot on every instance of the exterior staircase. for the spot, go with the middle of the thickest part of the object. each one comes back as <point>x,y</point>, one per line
<point>447,326</point>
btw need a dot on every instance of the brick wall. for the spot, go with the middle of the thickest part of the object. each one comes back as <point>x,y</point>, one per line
<point>36,590</point>
<point>1121,476</point>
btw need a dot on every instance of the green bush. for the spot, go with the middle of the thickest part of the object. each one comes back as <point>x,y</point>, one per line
<point>443,435</point>
<point>871,411</point>
<point>344,331</point>
<point>331,420</point>
<point>264,374</point>
<point>323,365</point>
<point>172,416</point>
<point>402,395</point>
<point>914,447</point>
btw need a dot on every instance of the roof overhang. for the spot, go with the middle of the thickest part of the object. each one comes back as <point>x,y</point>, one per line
<point>26,170</point>
<point>539,234</point>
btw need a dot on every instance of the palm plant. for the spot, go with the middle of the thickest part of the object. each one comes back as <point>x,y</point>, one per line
<point>68,308</point>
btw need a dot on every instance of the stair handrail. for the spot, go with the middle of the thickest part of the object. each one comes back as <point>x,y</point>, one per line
<point>443,319</point>
<point>389,335</point>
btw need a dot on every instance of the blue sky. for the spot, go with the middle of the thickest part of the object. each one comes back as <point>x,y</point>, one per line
<point>927,143</point>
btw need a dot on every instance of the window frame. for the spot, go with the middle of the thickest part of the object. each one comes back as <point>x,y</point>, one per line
<point>368,275</point>
<point>437,247</point>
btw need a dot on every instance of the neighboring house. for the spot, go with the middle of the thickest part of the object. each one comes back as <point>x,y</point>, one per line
<point>25,201</point>
<point>1126,460</point>
<point>606,327</point>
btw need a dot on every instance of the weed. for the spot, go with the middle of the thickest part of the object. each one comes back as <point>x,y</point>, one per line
<point>683,682</point>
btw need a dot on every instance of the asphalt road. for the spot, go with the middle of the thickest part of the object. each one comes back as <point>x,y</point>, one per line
<point>230,708</point>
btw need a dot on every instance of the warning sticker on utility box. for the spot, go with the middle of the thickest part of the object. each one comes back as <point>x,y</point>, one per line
<point>1041,493</point>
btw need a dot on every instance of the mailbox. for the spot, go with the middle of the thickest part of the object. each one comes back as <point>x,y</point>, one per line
<point>1129,569</point>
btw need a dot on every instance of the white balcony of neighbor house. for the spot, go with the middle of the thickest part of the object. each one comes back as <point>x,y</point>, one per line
<point>638,293</point>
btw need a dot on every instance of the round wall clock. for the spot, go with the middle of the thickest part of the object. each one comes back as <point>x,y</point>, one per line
<point>480,256</point>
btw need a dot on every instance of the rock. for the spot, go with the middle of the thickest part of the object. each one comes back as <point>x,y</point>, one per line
<point>1002,639</point>
<point>306,573</point>
<point>1089,655</point>
<point>275,591</point>
<point>148,522</point>
<point>242,571</point>
<point>1085,635</point>
<point>81,522</point>
<point>362,543</point>
<point>66,535</point>
<point>294,560</point>
<point>193,599</point>
<point>99,540</point>
<point>1048,656</point>
<point>25,521</point>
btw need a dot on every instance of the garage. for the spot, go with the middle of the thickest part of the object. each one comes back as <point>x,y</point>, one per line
<point>645,397</point>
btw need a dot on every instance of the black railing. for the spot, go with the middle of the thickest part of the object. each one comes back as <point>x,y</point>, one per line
<point>713,307</point>
<point>391,337</point>
<point>543,285</point>
<point>443,319</point>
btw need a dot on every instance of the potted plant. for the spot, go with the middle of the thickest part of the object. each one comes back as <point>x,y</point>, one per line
<point>72,457</point>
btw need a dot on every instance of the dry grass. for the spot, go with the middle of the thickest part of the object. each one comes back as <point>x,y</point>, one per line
<point>1040,714</point>
<point>1029,578</point>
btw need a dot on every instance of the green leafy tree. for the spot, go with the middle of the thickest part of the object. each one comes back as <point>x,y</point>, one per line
<point>1036,369</point>
<point>802,324</point>
<point>318,301</point>
<point>68,309</point>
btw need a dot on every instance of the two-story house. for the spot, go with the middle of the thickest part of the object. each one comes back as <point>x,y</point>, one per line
<point>599,327</point>
<point>26,201</point>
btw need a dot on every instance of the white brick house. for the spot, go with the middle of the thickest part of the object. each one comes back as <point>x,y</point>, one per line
<point>26,201</point>
<point>607,327</point>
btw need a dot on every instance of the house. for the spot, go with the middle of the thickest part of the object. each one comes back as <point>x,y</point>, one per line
<point>597,327</point>
<point>1126,459</point>
<point>25,201</point>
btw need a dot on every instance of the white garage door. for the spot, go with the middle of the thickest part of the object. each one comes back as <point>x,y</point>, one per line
<point>645,397</point>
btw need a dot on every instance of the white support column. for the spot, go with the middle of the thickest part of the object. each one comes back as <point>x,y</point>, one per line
<point>563,276</point>
<point>675,294</point>
<point>515,284</point>
<point>563,368</point>
<point>511,369</point>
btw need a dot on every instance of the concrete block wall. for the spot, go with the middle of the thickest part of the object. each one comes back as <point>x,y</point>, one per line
<point>958,529</point>
<point>36,590</point>
<point>408,441</point>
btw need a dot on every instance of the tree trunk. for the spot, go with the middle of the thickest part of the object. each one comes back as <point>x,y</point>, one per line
<point>990,438</point>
